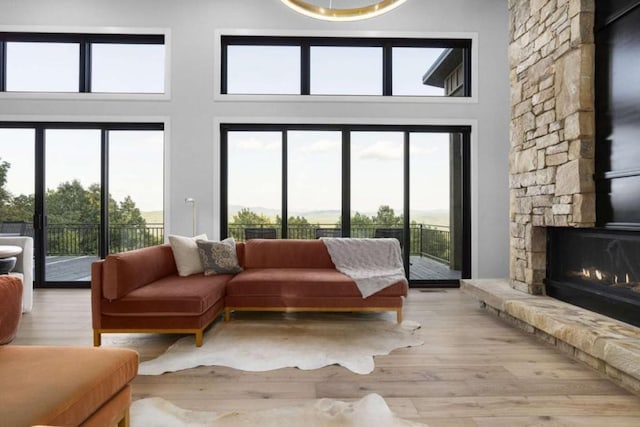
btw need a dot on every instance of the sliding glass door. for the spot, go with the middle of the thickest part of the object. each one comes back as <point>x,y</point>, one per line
<point>81,191</point>
<point>255,187</point>
<point>409,183</point>
<point>314,180</point>
<point>436,205</point>
<point>72,203</point>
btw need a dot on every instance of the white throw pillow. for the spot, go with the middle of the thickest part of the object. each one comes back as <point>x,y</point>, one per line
<point>185,252</point>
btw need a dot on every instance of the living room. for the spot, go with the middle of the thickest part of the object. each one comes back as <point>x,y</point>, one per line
<point>171,143</point>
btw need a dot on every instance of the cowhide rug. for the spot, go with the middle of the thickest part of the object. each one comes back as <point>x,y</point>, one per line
<point>369,411</point>
<point>268,341</point>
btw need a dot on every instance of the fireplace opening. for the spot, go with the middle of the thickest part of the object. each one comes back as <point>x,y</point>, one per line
<point>598,269</point>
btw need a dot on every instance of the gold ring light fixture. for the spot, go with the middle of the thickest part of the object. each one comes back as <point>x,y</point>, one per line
<point>348,10</point>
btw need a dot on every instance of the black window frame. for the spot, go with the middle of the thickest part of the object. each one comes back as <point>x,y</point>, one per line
<point>387,45</point>
<point>347,130</point>
<point>85,42</point>
<point>39,214</point>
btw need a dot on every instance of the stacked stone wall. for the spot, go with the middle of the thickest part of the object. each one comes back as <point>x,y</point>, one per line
<point>552,134</point>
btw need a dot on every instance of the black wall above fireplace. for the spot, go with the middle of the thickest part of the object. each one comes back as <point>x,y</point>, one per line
<point>617,145</point>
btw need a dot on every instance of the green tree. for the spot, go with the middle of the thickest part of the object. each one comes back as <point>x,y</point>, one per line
<point>298,227</point>
<point>4,170</point>
<point>73,214</point>
<point>387,217</point>
<point>361,220</point>
<point>247,218</point>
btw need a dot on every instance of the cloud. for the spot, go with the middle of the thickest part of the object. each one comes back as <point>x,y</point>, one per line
<point>382,150</point>
<point>319,146</point>
<point>255,144</point>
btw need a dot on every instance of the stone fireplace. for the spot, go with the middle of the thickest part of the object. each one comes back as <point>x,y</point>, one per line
<point>552,133</point>
<point>563,243</point>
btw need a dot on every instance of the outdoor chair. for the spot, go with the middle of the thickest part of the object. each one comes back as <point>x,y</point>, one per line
<point>397,233</point>
<point>259,233</point>
<point>328,232</point>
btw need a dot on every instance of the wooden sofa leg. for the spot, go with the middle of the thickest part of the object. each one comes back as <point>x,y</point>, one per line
<point>227,314</point>
<point>125,421</point>
<point>399,315</point>
<point>199,338</point>
<point>97,338</point>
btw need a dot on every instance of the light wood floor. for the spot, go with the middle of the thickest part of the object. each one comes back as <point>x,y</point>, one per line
<point>474,370</point>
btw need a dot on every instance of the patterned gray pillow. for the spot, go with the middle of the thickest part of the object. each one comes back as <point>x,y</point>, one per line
<point>219,257</point>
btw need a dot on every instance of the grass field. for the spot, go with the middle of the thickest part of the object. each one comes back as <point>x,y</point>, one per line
<point>153,217</point>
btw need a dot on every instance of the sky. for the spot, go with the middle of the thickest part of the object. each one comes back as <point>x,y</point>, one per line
<point>254,159</point>
<point>135,161</point>
<point>315,170</point>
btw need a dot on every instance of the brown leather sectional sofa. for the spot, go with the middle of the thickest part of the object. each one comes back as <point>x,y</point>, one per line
<point>141,291</point>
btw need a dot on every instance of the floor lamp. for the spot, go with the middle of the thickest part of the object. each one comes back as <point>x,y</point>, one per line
<point>192,201</point>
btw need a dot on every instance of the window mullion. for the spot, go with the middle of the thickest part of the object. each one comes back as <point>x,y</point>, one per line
<point>346,183</point>
<point>285,172</point>
<point>305,68</point>
<point>466,70</point>
<point>224,66</point>
<point>85,66</point>
<point>103,239</point>
<point>3,66</point>
<point>387,69</point>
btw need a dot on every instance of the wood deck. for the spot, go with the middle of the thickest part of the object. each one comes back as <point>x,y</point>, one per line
<point>423,268</point>
<point>474,370</point>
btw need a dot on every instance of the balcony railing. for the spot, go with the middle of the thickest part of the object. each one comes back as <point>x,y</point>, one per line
<point>82,239</point>
<point>426,240</point>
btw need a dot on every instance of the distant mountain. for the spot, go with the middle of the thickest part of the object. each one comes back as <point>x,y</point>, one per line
<point>433,217</point>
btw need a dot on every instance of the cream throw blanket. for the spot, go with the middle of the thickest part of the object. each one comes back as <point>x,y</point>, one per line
<point>373,264</point>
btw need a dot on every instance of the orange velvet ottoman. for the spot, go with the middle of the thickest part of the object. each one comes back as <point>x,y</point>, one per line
<point>10,307</point>
<point>65,386</point>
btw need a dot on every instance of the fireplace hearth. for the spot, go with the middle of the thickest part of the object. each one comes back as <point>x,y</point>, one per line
<point>598,269</point>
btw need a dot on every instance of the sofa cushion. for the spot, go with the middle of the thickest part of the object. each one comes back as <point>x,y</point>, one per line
<point>270,253</point>
<point>61,385</point>
<point>127,271</point>
<point>170,296</point>
<point>300,282</point>
<point>218,257</point>
<point>185,252</point>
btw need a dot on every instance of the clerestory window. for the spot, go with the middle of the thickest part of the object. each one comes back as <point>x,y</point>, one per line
<point>86,63</point>
<point>267,65</point>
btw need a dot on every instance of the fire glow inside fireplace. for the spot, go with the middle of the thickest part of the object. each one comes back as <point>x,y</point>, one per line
<point>597,269</point>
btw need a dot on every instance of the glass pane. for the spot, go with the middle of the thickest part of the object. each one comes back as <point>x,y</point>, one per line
<point>314,184</point>
<point>127,68</point>
<point>263,70</point>
<point>17,182</point>
<point>435,206</point>
<point>73,203</point>
<point>338,70</point>
<point>410,65</point>
<point>254,184</point>
<point>377,182</point>
<point>136,191</point>
<point>43,67</point>
<point>428,71</point>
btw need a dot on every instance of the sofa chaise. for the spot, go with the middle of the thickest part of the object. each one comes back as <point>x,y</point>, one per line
<point>141,290</point>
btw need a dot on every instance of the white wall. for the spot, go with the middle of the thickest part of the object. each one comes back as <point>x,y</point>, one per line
<point>191,111</point>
